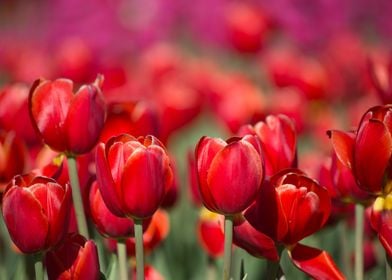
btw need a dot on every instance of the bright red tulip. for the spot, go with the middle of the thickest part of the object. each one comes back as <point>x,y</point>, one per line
<point>372,143</point>
<point>279,142</point>
<point>210,233</point>
<point>133,175</point>
<point>297,206</point>
<point>67,122</point>
<point>76,258</point>
<point>229,173</point>
<point>108,224</point>
<point>43,208</point>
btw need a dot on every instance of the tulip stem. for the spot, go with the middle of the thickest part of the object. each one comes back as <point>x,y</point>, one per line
<point>273,267</point>
<point>39,267</point>
<point>227,248</point>
<point>359,228</point>
<point>77,197</point>
<point>388,267</point>
<point>345,253</point>
<point>138,223</point>
<point>122,259</point>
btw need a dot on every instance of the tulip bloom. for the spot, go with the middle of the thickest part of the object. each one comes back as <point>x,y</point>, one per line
<point>229,173</point>
<point>210,233</point>
<point>43,208</point>
<point>296,207</point>
<point>67,122</point>
<point>133,175</point>
<point>368,151</point>
<point>381,221</point>
<point>75,258</point>
<point>279,142</point>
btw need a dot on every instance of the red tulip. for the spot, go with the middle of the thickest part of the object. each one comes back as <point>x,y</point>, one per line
<point>133,175</point>
<point>372,143</point>
<point>43,209</point>
<point>194,192</point>
<point>381,221</point>
<point>13,157</point>
<point>297,207</point>
<point>381,78</point>
<point>210,233</point>
<point>150,273</point>
<point>229,173</point>
<point>76,258</point>
<point>108,224</point>
<point>279,142</point>
<point>67,122</point>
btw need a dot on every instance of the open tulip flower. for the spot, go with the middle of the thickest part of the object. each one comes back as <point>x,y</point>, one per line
<point>68,122</point>
<point>229,173</point>
<point>75,258</point>
<point>36,212</point>
<point>133,175</point>
<point>297,206</point>
<point>368,151</point>
<point>279,142</point>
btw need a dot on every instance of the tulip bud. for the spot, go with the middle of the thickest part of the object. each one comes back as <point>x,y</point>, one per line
<point>43,208</point>
<point>229,173</point>
<point>67,122</point>
<point>133,175</point>
<point>210,233</point>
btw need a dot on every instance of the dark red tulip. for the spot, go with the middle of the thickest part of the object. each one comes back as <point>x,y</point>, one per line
<point>229,173</point>
<point>108,224</point>
<point>43,208</point>
<point>296,205</point>
<point>371,143</point>
<point>279,142</point>
<point>76,258</point>
<point>210,233</point>
<point>67,122</point>
<point>133,175</point>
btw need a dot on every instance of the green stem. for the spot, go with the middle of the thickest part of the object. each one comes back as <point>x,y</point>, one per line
<point>211,269</point>
<point>122,259</point>
<point>388,268</point>
<point>227,248</point>
<point>359,217</point>
<point>274,267</point>
<point>39,267</point>
<point>345,253</point>
<point>77,197</point>
<point>139,249</point>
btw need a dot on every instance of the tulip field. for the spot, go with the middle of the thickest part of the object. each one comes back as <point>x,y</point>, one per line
<point>221,139</point>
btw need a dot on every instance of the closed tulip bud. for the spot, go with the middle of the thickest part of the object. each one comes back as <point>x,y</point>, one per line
<point>76,258</point>
<point>36,205</point>
<point>371,143</point>
<point>229,173</point>
<point>68,122</point>
<point>133,175</point>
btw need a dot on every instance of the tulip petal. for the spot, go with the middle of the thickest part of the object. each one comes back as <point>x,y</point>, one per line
<point>106,184</point>
<point>343,144</point>
<point>206,150</point>
<point>254,242</point>
<point>20,223</point>
<point>374,146</point>
<point>143,183</point>
<point>234,177</point>
<point>315,263</point>
<point>87,263</point>
<point>49,103</point>
<point>85,117</point>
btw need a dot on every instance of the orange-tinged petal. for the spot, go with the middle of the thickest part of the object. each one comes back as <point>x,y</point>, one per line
<point>343,144</point>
